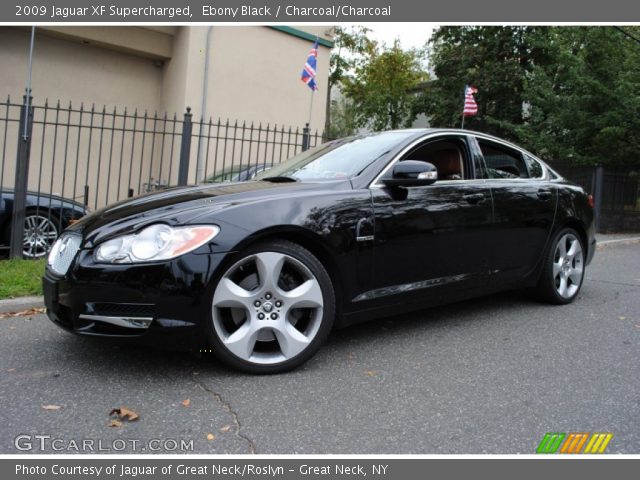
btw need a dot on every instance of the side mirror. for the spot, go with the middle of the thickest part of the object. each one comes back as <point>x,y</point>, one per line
<point>412,173</point>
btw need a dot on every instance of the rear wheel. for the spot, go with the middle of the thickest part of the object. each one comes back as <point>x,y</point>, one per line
<point>563,272</point>
<point>272,309</point>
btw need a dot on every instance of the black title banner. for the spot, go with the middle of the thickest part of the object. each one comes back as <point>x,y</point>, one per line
<point>329,11</point>
<point>313,469</point>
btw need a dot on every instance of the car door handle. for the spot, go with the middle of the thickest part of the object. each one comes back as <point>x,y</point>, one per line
<point>544,195</point>
<point>474,197</point>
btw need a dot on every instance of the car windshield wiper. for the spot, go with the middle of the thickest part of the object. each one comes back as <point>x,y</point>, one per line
<point>280,179</point>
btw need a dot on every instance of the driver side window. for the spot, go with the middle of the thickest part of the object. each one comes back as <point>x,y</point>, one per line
<point>446,155</point>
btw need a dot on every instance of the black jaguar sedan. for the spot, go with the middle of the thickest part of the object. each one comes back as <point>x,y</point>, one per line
<point>259,272</point>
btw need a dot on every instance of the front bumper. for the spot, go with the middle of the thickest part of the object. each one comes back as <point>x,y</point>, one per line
<point>165,304</point>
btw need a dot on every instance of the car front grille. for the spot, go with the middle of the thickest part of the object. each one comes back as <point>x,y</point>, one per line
<point>122,309</point>
<point>63,252</point>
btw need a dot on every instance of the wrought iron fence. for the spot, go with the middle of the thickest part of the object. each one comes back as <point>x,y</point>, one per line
<point>97,156</point>
<point>616,191</point>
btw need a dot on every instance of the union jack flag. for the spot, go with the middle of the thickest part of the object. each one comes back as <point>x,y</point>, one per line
<point>470,105</point>
<point>309,70</point>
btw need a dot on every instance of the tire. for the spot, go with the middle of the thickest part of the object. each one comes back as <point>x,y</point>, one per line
<point>41,229</point>
<point>271,309</point>
<point>563,271</point>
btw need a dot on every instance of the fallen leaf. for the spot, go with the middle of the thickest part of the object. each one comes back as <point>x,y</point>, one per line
<point>371,373</point>
<point>51,407</point>
<point>225,429</point>
<point>622,318</point>
<point>115,423</point>
<point>124,413</point>
<point>186,402</point>
<point>211,436</point>
<point>22,313</point>
<point>11,370</point>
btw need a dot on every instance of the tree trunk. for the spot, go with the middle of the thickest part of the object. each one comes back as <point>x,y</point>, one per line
<point>327,114</point>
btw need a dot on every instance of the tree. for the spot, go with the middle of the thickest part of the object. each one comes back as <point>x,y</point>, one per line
<point>493,59</point>
<point>343,121</point>
<point>349,48</point>
<point>382,88</point>
<point>585,105</point>
<point>566,93</point>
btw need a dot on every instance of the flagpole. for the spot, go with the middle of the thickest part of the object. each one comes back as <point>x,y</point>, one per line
<point>309,77</point>
<point>312,92</point>
<point>464,99</point>
<point>310,108</point>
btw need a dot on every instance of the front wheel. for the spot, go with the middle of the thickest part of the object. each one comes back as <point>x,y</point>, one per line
<point>563,272</point>
<point>272,308</point>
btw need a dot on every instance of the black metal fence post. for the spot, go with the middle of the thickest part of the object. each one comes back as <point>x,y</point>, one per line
<point>185,148</point>
<point>22,177</point>
<point>306,137</point>
<point>597,194</point>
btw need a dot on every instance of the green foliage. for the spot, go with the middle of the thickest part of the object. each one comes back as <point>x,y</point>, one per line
<point>493,59</point>
<point>19,278</point>
<point>585,105</point>
<point>343,121</point>
<point>567,93</point>
<point>383,87</point>
<point>350,46</point>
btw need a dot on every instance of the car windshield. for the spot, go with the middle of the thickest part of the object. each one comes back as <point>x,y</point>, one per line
<point>226,175</point>
<point>221,177</point>
<point>339,159</point>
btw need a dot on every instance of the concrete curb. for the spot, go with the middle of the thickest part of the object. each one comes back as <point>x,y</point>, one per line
<point>606,243</point>
<point>19,304</point>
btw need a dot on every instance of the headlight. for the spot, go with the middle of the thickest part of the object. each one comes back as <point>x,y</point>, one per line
<point>157,242</point>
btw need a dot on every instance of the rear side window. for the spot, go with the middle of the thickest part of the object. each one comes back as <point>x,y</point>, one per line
<point>502,162</point>
<point>535,169</point>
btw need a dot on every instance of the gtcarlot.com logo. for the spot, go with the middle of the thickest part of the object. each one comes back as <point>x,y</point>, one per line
<point>45,443</point>
<point>574,442</point>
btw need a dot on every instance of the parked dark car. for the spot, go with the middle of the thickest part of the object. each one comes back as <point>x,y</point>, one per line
<point>260,272</point>
<point>237,173</point>
<point>45,217</point>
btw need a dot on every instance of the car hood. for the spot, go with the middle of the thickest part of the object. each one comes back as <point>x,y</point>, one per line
<point>177,206</point>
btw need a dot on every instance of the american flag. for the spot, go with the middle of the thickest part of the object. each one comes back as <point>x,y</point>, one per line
<point>470,105</point>
<point>309,70</point>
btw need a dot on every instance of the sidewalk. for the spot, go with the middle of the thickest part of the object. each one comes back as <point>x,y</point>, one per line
<point>25,303</point>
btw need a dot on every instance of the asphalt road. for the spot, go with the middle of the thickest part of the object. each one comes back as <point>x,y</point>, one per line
<point>485,376</point>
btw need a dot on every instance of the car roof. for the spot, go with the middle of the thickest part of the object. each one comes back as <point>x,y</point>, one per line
<point>419,132</point>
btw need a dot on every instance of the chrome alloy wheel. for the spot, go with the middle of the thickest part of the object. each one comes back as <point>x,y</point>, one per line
<point>40,233</point>
<point>267,308</point>
<point>568,265</point>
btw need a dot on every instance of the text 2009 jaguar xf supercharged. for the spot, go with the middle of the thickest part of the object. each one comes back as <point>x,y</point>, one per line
<point>261,271</point>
